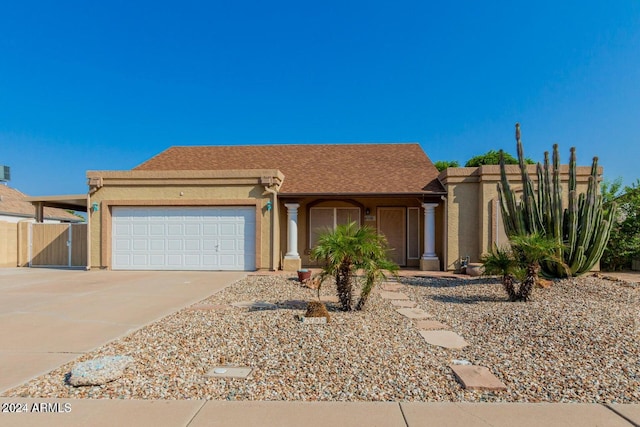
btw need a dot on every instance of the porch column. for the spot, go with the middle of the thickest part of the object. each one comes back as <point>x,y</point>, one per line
<point>429,260</point>
<point>292,259</point>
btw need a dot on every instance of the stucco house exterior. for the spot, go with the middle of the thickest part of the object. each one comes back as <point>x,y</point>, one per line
<point>262,207</point>
<point>472,211</point>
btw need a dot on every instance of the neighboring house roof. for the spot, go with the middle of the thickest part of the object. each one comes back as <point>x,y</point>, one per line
<point>317,169</point>
<point>13,203</point>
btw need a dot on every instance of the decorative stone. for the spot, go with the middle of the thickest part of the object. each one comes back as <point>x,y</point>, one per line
<point>414,313</point>
<point>446,339</point>
<point>317,309</point>
<point>403,303</point>
<point>99,371</point>
<point>393,295</point>
<point>431,325</point>
<point>473,377</point>
<point>230,372</point>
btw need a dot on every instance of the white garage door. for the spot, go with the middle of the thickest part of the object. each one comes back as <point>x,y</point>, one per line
<point>183,238</point>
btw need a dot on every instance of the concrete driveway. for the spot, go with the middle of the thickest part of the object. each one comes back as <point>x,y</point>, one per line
<point>51,316</point>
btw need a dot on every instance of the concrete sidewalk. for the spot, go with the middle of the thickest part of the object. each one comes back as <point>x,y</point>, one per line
<point>49,317</point>
<point>197,413</point>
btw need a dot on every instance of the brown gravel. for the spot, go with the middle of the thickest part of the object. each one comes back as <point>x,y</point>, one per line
<point>577,341</point>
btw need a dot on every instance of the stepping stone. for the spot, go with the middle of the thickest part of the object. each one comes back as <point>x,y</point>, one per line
<point>394,295</point>
<point>230,372</point>
<point>401,303</point>
<point>446,339</point>
<point>475,377</point>
<point>204,307</point>
<point>431,325</point>
<point>392,287</point>
<point>414,313</point>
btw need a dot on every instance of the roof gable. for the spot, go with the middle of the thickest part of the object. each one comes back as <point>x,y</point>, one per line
<point>317,169</point>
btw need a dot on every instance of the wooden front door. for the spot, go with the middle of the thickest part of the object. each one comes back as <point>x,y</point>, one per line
<point>392,224</point>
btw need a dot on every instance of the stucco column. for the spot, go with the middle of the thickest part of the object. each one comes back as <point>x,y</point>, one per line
<point>429,260</point>
<point>292,257</point>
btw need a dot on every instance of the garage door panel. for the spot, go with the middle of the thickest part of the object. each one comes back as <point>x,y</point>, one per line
<point>175,229</point>
<point>140,259</point>
<point>192,229</point>
<point>209,229</point>
<point>192,245</point>
<point>210,260</point>
<point>156,260</point>
<point>140,245</point>
<point>156,244</point>
<point>156,230</point>
<point>122,245</point>
<point>228,229</point>
<point>121,229</point>
<point>227,245</point>
<point>174,245</point>
<point>183,238</point>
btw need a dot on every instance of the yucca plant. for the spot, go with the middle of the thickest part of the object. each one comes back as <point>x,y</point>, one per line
<point>346,250</point>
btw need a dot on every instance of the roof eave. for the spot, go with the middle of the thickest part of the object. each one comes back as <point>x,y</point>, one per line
<point>410,194</point>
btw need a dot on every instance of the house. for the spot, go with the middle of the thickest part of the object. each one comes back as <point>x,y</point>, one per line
<point>263,207</point>
<point>15,210</point>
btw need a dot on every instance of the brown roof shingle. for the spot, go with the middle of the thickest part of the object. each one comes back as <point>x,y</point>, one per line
<point>317,169</point>
<point>12,203</point>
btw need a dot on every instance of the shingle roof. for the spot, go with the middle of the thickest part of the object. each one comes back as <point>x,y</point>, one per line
<point>317,169</point>
<point>12,203</point>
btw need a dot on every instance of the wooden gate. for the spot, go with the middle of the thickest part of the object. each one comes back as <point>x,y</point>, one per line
<point>58,245</point>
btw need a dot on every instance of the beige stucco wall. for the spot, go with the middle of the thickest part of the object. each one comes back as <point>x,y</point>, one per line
<point>372,203</point>
<point>179,188</point>
<point>8,244</point>
<point>474,220</point>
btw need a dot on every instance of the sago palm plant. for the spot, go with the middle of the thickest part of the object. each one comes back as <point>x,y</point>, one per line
<point>500,261</point>
<point>522,260</point>
<point>346,250</point>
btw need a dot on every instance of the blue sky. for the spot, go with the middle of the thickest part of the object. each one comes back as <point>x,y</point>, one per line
<point>107,85</point>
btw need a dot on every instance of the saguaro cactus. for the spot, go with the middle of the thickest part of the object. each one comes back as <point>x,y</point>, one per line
<point>582,228</point>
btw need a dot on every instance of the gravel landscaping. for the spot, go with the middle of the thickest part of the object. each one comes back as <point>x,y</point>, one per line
<point>578,341</point>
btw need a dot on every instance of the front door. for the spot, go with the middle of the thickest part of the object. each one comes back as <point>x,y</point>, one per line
<point>392,224</point>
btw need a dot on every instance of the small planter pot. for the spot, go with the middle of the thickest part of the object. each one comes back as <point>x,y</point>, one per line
<point>475,269</point>
<point>303,275</point>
